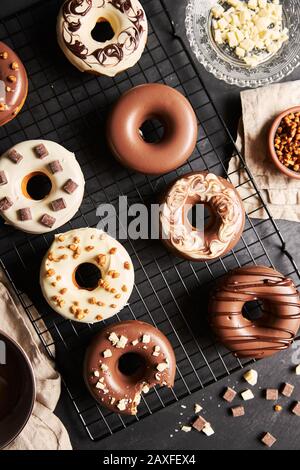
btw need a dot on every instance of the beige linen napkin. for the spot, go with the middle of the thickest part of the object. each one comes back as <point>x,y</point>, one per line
<point>44,431</point>
<point>282,194</point>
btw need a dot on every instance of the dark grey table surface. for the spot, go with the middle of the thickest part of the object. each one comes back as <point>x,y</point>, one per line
<point>241,433</point>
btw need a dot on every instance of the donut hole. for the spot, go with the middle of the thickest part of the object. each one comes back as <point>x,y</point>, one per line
<point>152,131</point>
<point>201,217</point>
<point>87,276</point>
<point>103,31</point>
<point>36,186</point>
<point>132,366</point>
<point>253,310</point>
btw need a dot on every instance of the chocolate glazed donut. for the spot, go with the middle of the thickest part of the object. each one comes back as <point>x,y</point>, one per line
<point>143,103</point>
<point>125,360</point>
<point>274,331</point>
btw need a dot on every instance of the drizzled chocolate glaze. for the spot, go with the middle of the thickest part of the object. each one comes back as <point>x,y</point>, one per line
<point>127,41</point>
<point>116,386</point>
<point>274,331</point>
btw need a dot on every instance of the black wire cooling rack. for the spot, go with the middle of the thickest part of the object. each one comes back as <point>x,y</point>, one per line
<point>71,108</point>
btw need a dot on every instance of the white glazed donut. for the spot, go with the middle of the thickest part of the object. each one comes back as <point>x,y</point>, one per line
<point>39,157</point>
<point>58,281</point>
<point>77,19</point>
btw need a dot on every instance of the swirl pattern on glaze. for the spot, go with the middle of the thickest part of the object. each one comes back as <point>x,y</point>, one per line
<point>274,331</point>
<point>126,43</point>
<point>225,204</point>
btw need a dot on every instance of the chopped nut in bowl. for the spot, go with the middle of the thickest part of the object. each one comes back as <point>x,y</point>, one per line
<point>284,142</point>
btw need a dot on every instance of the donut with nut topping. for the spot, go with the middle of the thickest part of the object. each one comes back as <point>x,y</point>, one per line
<point>126,360</point>
<point>86,298</point>
<point>13,84</point>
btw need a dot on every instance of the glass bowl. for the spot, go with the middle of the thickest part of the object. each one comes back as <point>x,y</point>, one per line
<point>222,62</point>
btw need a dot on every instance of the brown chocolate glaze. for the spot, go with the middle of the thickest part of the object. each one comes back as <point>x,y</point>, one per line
<point>17,390</point>
<point>274,331</point>
<point>143,103</point>
<point>225,226</point>
<point>119,392</point>
<point>13,84</point>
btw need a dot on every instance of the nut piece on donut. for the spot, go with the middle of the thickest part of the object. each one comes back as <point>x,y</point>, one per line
<point>120,365</point>
<point>137,106</point>
<point>226,222</point>
<point>13,84</point>
<point>274,331</point>
<point>34,183</point>
<point>94,298</point>
<point>77,20</point>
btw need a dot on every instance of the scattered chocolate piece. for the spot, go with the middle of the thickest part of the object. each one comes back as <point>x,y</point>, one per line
<point>251,376</point>
<point>186,428</point>
<point>55,167</point>
<point>70,186</point>
<point>208,430</point>
<point>47,220</point>
<point>5,204</point>
<point>197,408</point>
<point>272,394</point>
<point>199,424</point>
<point>238,411</point>
<point>3,178</point>
<point>247,395</point>
<point>268,439</point>
<point>58,204</point>
<point>296,408</point>
<point>287,390</point>
<point>297,370</point>
<point>25,214</point>
<point>14,156</point>
<point>229,395</point>
<point>41,151</point>
<point>278,408</point>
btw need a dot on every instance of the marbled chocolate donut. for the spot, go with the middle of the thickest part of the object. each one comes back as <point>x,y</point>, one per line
<point>143,103</point>
<point>274,331</point>
<point>226,223</point>
<point>13,84</point>
<point>77,19</point>
<point>125,360</point>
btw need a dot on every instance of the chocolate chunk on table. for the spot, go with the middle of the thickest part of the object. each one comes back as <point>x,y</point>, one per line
<point>25,214</point>
<point>14,156</point>
<point>296,408</point>
<point>70,186</point>
<point>272,394</point>
<point>199,423</point>
<point>5,204</point>
<point>41,151</point>
<point>3,178</point>
<point>47,220</point>
<point>287,390</point>
<point>55,167</point>
<point>229,395</point>
<point>238,411</point>
<point>58,204</point>
<point>268,440</point>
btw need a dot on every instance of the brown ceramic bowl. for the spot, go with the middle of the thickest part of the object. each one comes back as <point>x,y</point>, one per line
<point>17,390</point>
<point>272,133</point>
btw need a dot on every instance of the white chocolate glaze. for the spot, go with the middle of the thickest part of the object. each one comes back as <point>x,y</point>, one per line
<point>77,19</point>
<point>225,204</point>
<point>60,264</point>
<point>30,163</point>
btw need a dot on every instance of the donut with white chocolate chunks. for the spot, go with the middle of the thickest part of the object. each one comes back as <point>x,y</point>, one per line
<point>78,18</point>
<point>13,84</point>
<point>226,222</point>
<point>125,360</point>
<point>81,303</point>
<point>51,162</point>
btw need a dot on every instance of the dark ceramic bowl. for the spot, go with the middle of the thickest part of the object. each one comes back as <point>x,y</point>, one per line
<point>17,390</point>
<point>271,143</point>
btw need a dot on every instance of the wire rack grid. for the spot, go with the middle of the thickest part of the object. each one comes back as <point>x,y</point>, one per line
<point>71,108</point>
